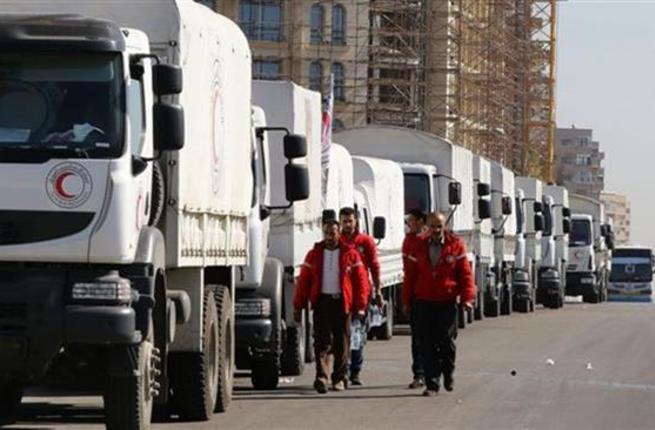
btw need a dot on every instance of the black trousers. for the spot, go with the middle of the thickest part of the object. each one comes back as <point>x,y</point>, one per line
<point>417,360</point>
<point>331,337</point>
<point>436,327</point>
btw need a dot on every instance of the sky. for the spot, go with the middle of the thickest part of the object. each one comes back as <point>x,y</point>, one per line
<point>606,82</point>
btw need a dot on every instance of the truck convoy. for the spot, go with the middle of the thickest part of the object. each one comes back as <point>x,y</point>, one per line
<point>631,276</point>
<point>590,243</point>
<point>167,201</point>
<point>125,128</point>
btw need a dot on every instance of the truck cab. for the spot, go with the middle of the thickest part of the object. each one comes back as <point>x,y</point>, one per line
<point>420,188</point>
<point>631,277</point>
<point>549,284</point>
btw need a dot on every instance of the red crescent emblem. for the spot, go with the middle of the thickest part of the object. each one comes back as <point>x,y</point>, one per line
<point>59,185</point>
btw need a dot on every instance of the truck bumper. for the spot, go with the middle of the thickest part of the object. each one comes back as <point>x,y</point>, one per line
<point>580,283</point>
<point>254,340</point>
<point>37,320</point>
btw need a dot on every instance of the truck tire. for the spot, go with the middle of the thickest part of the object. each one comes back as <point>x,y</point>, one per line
<point>293,355</point>
<point>522,306</point>
<point>10,398</point>
<point>385,331</point>
<point>309,336</point>
<point>492,308</point>
<point>506,302</point>
<point>551,301</point>
<point>265,374</point>
<point>461,316</point>
<point>225,342</point>
<point>129,399</point>
<point>195,375</point>
<point>591,298</point>
<point>479,307</point>
<point>158,198</point>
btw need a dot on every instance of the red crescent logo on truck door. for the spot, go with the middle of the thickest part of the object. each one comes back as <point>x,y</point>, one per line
<point>69,185</point>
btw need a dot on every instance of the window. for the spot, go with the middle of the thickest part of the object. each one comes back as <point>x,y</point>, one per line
<point>583,159</point>
<point>339,81</point>
<point>265,69</point>
<point>212,4</point>
<point>261,19</point>
<point>316,24</point>
<point>580,233</point>
<point>417,192</point>
<point>566,142</point>
<point>519,215</point>
<point>338,25</point>
<point>315,76</point>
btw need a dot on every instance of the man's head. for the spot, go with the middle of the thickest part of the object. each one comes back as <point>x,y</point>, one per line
<point>331,234</point>
<point>348,221</point>
<point>416,221</point>
<point>437,225</point>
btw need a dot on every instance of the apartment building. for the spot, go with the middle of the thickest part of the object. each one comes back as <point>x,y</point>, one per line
<point>578,161</point>
<point>617,208</point>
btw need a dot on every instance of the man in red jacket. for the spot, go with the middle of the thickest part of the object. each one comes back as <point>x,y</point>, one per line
<point>438,275</point>
<point>365,245</point>
<point>416,219</point>
<point>333,280</point>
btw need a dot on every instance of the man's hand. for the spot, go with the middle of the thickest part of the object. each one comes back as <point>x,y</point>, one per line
<point>407,310</point>
<point>379,299</point>
<point>361,315</point>
<point>297,315</point>
<point>469,306</point>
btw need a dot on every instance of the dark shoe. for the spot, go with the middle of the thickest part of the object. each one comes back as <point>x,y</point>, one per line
<point>355,381</point>
<point>448,382</point>
<point>338,386</point>
<point>430,392</point>
<point>320,386</point>
<point>416,383</point>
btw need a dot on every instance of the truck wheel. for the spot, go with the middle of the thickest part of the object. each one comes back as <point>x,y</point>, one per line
<point>309,337</point>
<point>506,303</point>
<point>129,399</point>
<point>225,345</point>
<point>195,375</point>
<point>293,355</point>
<point>461,316</point>
<point>265,374</point>
<point>523,305</point>
<point>385,331</point>
<point>492,308</point>
<point>10,397</point>
<point>591,298</point>
<point>479,307</point>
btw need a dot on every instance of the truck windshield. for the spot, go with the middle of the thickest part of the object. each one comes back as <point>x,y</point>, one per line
<point>417,192</point>
<point>67,105</point>
<point>631,269</point>
<point>548,220</point>
<point>519,215</point>
<point>580,233</point>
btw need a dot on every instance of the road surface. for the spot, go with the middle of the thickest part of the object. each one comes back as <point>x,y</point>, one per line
<point>581,367</point>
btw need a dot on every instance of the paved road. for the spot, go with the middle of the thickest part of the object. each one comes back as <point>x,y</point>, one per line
<point>581,367</point>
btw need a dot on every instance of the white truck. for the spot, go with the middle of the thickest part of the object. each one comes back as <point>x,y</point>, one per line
<point>268,341</point>
<point>504,230</point>
<point>555,245</point>
<point>529,191</point>
<point>490,297</point>
<point>451,183</point>
<point>587,273</point>
<point>379,187</point>
<point>121,244</point>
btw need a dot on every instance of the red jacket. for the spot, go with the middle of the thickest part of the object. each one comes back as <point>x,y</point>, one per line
<point>353,276</point>
<point>408,246</point>
<point>368,252</point>
<point>449,279</point>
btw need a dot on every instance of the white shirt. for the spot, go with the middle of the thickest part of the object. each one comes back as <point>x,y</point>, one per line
<point>330,284</point>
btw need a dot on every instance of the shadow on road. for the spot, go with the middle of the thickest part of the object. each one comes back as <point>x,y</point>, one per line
<point>36,413</point>
<point>308,393</point>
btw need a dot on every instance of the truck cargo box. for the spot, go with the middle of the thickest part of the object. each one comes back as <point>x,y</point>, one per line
<point>339,191</point>
<point>295,230</point>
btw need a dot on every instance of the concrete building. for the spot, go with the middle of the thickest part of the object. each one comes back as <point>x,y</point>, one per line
<point>617,208</point>
<point>578,161</point>
<point>307,41</point>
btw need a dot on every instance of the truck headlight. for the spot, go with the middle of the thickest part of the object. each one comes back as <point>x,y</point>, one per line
<point>257,307</point>
<point>120,292</point>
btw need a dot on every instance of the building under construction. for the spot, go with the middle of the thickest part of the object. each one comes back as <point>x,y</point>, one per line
<point>477,72</point>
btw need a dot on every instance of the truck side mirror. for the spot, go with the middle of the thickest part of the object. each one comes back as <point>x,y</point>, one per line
<point>166,79</point>
<point>295,146</point>
<point>379,227</point>
<point>538,207</point>
<point>168,126</point>
<point>329,215</point>
<point>296,182</point>
<point>506,203</point>
<point>538,222</point>
<point>566,226</point>
<point>566,212</point>
<point>603,230</point>
<point>483,189</point>
<point>484,209</point>
<point>610,242</point>
<point>455,193</point>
